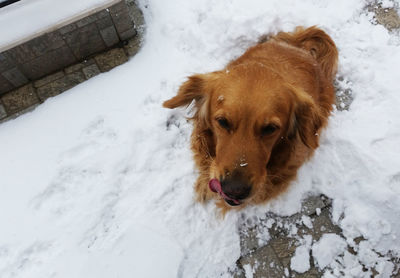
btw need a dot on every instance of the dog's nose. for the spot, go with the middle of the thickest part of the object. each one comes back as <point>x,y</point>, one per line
<point>235,188</point>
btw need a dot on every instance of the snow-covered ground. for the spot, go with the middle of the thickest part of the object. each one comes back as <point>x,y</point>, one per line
<point>28,18</point>
<point>94,184</point>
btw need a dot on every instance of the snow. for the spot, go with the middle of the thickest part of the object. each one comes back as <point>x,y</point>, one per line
<point>327,249</point>
<point>306,220</point>
<point>300,262</point>
<point>248,271</point>
<point>16,16</point>
<point>95,184</point>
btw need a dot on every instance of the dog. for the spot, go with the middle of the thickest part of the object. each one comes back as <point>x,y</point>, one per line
<point>259,119</point>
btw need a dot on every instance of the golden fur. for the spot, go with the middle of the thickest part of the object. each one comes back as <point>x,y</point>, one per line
<point>261,115</point>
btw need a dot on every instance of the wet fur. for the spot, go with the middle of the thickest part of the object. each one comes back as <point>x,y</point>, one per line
<point>301,65</point>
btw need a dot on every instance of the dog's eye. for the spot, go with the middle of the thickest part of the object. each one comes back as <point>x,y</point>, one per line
<point>268,129</point>
<point>223,123</point>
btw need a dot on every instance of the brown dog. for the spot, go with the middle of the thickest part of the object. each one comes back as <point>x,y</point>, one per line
<point>259,119</point>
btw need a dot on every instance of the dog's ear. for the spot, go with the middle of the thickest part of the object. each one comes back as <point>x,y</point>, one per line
<point>306,119</point>
<point>192,89</point>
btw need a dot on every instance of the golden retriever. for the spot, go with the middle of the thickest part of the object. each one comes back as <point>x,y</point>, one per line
<point>257,120</point>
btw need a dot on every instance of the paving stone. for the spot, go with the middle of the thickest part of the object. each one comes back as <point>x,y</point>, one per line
<point>239,274</point>
<point>48,63</point>
<point>15,77</point>
<point>389,18</point>
<point>3,112</point>
<point>127,34</point>
<point>91,71</point>
<point>6,62</point>
<point>322,224</point>
<point>310,205</point>
<point>110,59</point>
<point>19,113</point>
<point>343,96</point>
<point>85,41</point>
<point>308,274</point>
<point>48,79</point>
<point>248,241</point>
<point>79,66</point>
<point>36,47</point>
<point>60,85</point>
<point>283,242</point>
<point>92,18</point>
<point>264,263</point>
<point>118,7</point>
<point>132,46</point>
<point>286,262</point>
<point>284,247</point>
<point>122,21</point>
<point>109,36</point>
<point>5,85</point>
<point>21,54</point>
<point>19,99</point>
<point>104,22</point>
<point>68,28</point>
<point>136,14</point>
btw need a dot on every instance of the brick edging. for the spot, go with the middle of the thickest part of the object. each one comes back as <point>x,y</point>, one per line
<point>26,97</point>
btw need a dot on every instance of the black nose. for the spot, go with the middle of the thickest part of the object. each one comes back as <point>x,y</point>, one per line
<point>235,187</point>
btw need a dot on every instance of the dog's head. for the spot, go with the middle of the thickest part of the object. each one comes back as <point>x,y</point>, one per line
<point>246,112</point>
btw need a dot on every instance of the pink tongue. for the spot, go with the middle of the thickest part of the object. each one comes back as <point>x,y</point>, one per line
<point>215,186</point>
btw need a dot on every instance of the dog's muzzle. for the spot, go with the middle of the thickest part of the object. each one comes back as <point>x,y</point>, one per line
<point>232,191</point>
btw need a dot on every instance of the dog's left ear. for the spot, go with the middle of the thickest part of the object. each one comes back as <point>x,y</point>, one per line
<point>306,119</point>
<point>192,89</point>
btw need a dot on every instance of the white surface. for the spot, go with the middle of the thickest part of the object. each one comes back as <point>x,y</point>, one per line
<point>93,183</point>
<point>300,262</point>
<point>327,249</point>
<point>29,17</point>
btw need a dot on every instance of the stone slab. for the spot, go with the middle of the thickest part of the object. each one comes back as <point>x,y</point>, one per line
<point>15,77</point>
<point>3,112</point>
<point>48,63</point>
<point>48,79</point>
<point>110,36</point>
<point>284,247</point>
<point>19,99</point>
<point>132,46</point>
<point>36,47</point>
<point>283,236</point>
<point>79,66</point>
<point>310,205</point>
<point>60,85</point>
<point>6,62</point>
<point>118,7</point>
<point>23,111</point>
<point>264,263</point>
<point>83,42</point>
<point>104,22</point>
<point>91,71</point>
<point>110,59</point>
<point>92,18</point>
<point>122,20</point>
<point>389,18</point>
<point>5,85</point>
<point>127,34</point>
<point>68,28</point>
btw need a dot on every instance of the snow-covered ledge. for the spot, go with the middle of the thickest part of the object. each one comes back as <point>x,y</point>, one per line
<point>44,36</point>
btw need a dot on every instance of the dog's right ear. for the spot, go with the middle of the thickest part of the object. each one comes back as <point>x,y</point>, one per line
<point>192,89</point>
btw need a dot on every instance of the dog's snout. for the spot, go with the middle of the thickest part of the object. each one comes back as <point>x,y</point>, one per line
<point>236,188</point>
